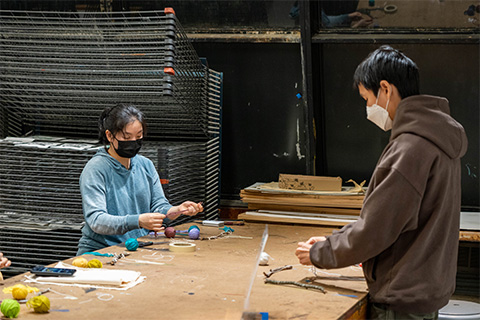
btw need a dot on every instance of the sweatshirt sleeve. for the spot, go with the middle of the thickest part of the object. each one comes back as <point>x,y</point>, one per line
<point>389,210</point>
<point>93,190</point>
<point>159,201</point>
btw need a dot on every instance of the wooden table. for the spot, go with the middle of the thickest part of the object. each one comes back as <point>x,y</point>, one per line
<point>211,283</point>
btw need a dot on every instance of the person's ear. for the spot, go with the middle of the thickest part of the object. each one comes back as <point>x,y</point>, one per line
<point>109,136</point>
<point>386,87</point>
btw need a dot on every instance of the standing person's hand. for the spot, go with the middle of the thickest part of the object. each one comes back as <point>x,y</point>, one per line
<point>4,262</point>
<point>303,250</point>
<point>312,240</point>
<point>151,221</point>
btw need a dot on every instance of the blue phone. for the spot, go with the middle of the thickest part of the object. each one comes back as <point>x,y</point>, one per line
<point>52,272</point>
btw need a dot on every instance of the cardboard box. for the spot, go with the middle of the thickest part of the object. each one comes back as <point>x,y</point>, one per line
<point>317,183</point>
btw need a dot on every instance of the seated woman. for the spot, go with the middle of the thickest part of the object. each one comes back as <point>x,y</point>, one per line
<point>122,196</point>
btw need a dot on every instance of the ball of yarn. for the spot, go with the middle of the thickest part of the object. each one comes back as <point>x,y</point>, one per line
<point>19,292</point>
<point>194,234</point>
<point>170,232</point>
<point>264,257</point>
<point>80,262</point>
<point>40,304</point>
<point>10,308</point>
<point>131,244</point>
<point>95,263</point>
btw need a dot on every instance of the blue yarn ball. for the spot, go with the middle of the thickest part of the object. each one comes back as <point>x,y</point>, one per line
<point>194,233</point>
<point>131,244</point>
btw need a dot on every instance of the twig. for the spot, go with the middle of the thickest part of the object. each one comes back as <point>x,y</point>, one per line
<point>118,257</point>
<point>303,285</point>
<point>222,234</point>
<point>272,271</point>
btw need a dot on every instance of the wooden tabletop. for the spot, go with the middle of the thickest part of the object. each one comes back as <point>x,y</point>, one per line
<point>211,283</point>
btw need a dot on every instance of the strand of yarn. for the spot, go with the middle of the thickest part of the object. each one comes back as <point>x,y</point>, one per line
<point>40,304</point>
<point>10,289</point>
<point>99,254</point>
<point>10,308</point>
<point>193,232</point>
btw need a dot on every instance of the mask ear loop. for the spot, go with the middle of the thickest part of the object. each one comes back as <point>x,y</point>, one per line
<point>388,100</point>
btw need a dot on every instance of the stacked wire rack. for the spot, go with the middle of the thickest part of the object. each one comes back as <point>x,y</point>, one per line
<point>59,70</point>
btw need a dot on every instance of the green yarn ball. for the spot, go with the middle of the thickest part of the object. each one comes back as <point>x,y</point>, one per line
<point>131,244</point>
<point>10,308</point>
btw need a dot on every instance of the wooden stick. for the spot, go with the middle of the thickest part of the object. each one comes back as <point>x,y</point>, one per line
<point>303,285</point>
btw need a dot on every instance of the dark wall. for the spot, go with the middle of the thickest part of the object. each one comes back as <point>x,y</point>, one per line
<point>353,144</point>
<point>260,112</point>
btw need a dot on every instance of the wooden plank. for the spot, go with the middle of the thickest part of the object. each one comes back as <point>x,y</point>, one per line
<point>314,202</point>
<point>271,194</point>
<point>271,218</point>
<point>303,182</point>
<point>309,209</point>
<point>272,187</point>
<point>473,236</point>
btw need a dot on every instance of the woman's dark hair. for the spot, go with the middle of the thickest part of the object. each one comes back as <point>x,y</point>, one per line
<point>387,63</point>
<point>114,119</point>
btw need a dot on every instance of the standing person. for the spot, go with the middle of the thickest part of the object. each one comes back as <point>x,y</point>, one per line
<point>122,196</point>
<point>407,234</point>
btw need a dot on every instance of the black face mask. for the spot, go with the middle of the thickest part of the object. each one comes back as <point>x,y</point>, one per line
<point>128,148</point>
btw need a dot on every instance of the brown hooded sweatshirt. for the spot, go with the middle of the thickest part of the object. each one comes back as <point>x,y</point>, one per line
<point>407,233</point>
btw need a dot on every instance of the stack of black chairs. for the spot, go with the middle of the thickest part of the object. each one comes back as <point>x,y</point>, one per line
<point>59,70</point>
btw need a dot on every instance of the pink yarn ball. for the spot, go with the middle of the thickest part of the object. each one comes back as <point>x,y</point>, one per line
<point>170,232</point>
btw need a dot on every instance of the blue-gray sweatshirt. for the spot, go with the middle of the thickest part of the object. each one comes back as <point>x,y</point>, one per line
<point>114,197</point>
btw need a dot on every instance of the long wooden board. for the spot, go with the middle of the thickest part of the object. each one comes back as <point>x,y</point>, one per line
<point>271,218</point>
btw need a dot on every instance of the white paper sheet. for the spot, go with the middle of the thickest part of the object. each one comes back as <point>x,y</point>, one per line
<point>93,277</point>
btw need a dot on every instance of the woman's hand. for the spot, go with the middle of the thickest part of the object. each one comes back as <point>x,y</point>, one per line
<point>4,262</point>
<point>151,221</point>
<point>187,208</point>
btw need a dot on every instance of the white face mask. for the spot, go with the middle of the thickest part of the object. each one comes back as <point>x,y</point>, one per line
<point>379,115</point>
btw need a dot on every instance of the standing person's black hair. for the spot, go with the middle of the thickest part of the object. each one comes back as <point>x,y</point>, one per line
<point>387,63</point>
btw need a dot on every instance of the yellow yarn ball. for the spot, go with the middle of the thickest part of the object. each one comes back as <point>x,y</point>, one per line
<point>19,292</point>
<point>95,263</point>
<point>40,304</point>
<point>80,262</point>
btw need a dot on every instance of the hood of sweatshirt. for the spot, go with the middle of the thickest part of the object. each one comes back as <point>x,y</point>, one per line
<point>429,117</point>
<point>114,163</point>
